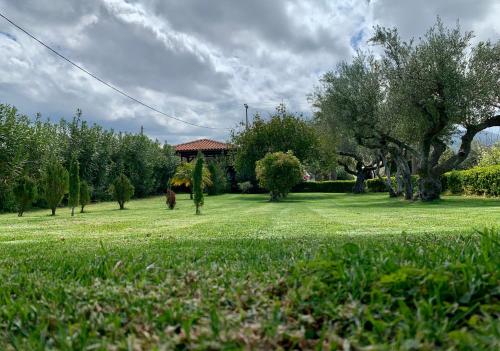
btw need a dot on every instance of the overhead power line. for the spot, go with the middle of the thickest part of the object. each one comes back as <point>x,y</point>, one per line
<point>101,80</point>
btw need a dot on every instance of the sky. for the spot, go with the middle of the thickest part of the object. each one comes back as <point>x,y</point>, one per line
<point>197,60</point>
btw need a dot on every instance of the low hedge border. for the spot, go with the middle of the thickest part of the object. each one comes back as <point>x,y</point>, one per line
<point>475,181</point>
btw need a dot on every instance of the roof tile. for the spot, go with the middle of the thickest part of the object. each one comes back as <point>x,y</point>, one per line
<point>202,145</point>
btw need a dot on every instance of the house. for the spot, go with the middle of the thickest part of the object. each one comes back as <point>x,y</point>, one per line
<point>209,148</point>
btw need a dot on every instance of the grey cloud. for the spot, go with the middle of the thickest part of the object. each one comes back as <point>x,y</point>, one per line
<point>197,60</point>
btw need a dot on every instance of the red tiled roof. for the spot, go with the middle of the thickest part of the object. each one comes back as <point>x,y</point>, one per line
<point>202,145</point>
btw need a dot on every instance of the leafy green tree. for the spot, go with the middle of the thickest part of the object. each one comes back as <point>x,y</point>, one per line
<point>74,184</point>
<point>198,182</point>
<point>122,190</point>
<point>440,85</point>
<point>84,195</point>
<point>490,156</point>
<point>56,181</point>
<point>25,193</point>
<point>284,131</point>
<point>278,172</point>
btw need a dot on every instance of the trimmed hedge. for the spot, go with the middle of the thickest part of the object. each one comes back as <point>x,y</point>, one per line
<point>377,185</point>
<point>329,186</point>
<point>474,181</point>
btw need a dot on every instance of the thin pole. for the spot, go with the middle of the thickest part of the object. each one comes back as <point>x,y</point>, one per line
<point>246,115</point>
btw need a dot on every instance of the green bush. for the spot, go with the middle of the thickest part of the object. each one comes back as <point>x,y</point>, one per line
<point>377,185</point>
<point>25,193</point>
<point>278,172</point>
<point>474,181</point>
<point>245,187</point>
<point>220,184</point>
<point>329,186</point>
<point>122,190</point>
<point>454,182</point>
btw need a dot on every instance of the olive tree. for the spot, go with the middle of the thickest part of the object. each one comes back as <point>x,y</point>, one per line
<point>441,85</point>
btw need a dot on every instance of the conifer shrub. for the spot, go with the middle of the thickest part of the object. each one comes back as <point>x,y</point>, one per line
<point>56,181</point>
<point>122,190</point>
<point>217,169</point>
<point>198,183</point>
<point>24,193</point>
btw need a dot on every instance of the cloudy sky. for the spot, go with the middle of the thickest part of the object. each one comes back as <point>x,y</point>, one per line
<point>198,60</point>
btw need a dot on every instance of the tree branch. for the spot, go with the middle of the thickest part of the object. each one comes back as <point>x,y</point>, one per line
<point>465,145</point>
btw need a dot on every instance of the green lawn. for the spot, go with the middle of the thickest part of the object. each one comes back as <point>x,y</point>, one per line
<point>314,271</point>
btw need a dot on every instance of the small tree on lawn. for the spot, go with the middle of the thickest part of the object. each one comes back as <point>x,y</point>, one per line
<point>198,183</point>
<point>278,172</point>
<point>84,195</point>
<point>74,184</point>
<point>25,193</point>
<point>56,181</point>
<point>122,190</point>
<point>184,176</point>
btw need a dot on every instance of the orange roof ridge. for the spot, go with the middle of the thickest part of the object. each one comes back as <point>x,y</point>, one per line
<point>202,144</point>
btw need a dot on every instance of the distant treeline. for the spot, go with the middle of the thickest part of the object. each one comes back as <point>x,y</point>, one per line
<point>26,146</point>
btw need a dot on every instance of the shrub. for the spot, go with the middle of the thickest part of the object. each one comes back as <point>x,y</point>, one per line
<point>278,172</point>
<point>24,193</point>
<point>245,187</point>
<point>74,184</point>
<point>474,181</point>
<point>198,183</point>
<point>454,182</point>
<point>56,181</point>
<point>377,185</point>
<point>217,170</point>
<point>122,190</point>
<point>328,186</point>
<point>84,195</point>
<point>170,194</point>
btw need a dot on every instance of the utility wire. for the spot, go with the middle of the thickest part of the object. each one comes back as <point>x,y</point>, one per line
<point>101,80</point>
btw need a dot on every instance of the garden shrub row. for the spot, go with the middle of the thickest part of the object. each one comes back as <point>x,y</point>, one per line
<point>377,185</point>
<point>329,186</point>
<point>474,181</point>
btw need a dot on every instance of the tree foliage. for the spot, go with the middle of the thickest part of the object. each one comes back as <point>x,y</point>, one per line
<point>26,146</point>
<point>407,106</point>
<point>25,193</point>
<point>122,190</point>
<point>284,131</point>
<point>56,181</point>
<point>278,172</point>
